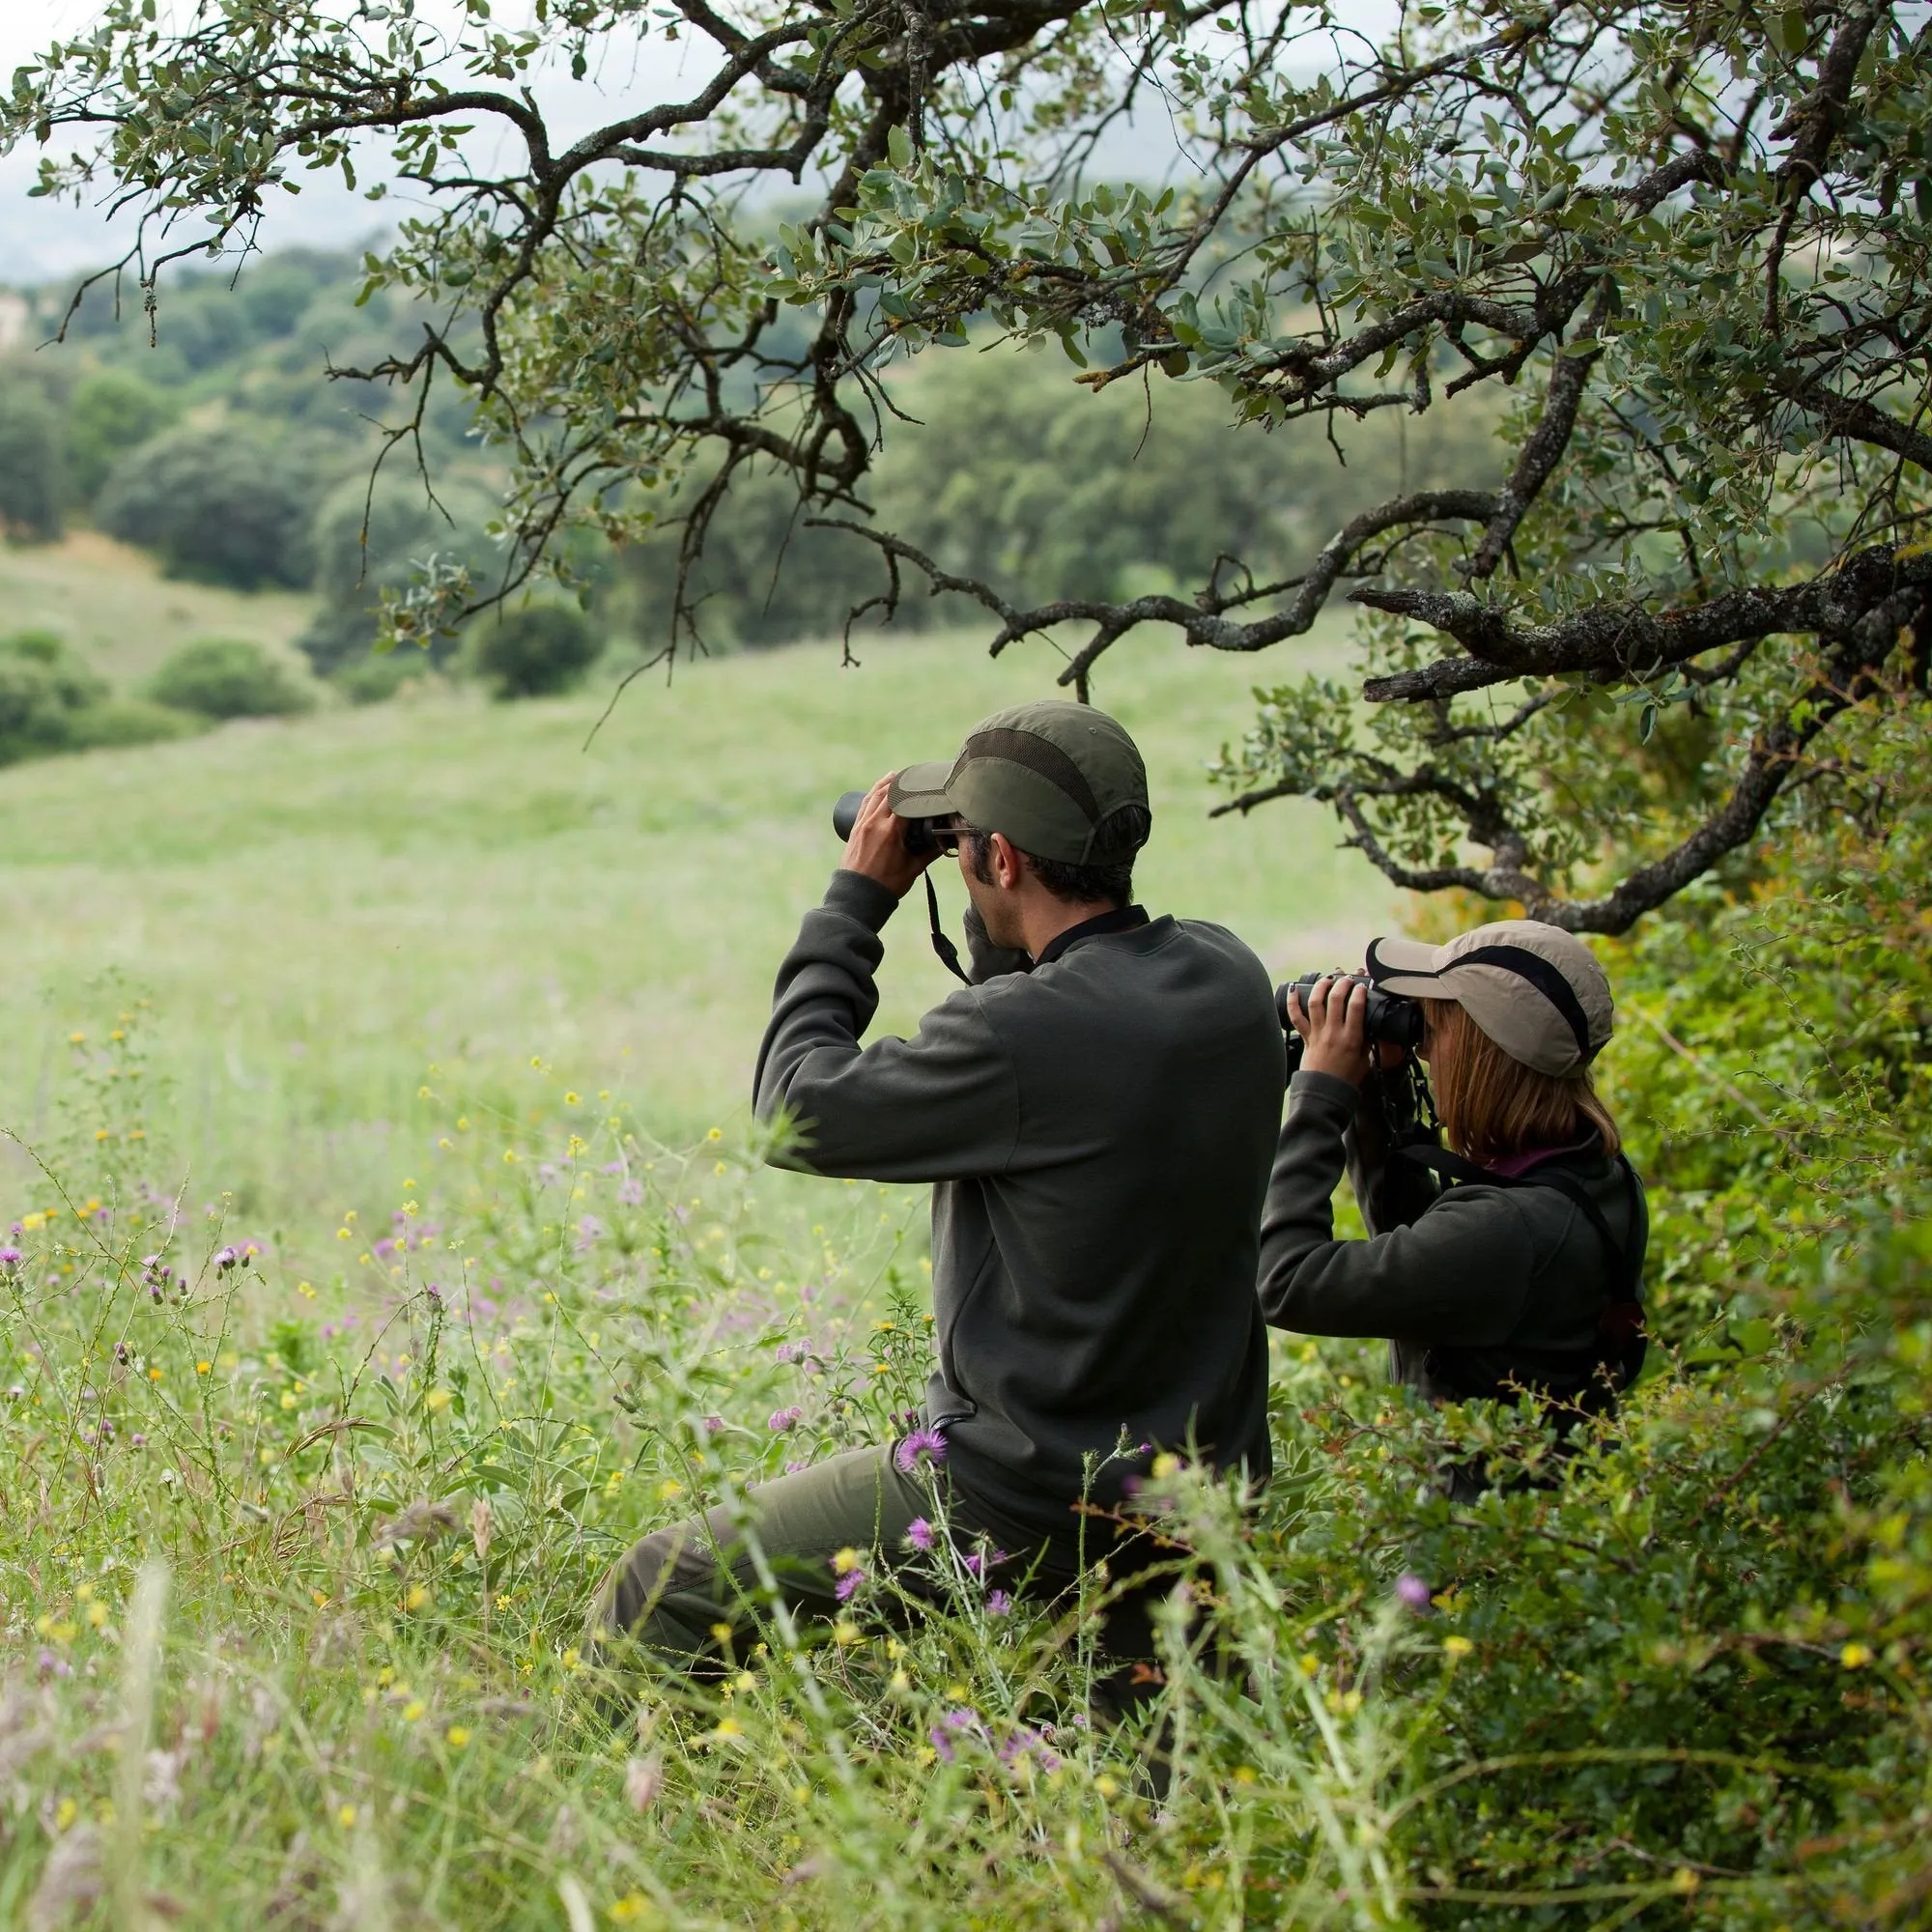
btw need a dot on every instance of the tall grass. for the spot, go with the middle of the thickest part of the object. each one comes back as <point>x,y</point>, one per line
<point>294,1576</point>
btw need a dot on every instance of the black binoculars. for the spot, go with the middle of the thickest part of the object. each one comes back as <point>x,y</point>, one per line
<point>1391,1016</point>
<point>922,836</point>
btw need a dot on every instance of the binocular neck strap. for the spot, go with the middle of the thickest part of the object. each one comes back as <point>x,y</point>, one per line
<point>949,953</point>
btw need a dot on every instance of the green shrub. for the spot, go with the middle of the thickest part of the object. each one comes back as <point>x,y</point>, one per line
<point>33,466</point>
<point>375,680</point>
<point>231,678</point>
<point>220,503</point>
<point>533,652</point>
<point>50,701</point>
<point>116,722</point>
<point>43,687</point>
<point>368,544</point>
<point>109,414</point>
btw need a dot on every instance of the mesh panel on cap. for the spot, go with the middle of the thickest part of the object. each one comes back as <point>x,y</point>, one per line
<point>1035,755</point>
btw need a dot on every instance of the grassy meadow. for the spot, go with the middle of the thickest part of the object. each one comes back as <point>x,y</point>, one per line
<point>320,910</point>
<point>112,603</point>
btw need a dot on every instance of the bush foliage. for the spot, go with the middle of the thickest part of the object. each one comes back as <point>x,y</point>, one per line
<point>33,471</point>
<point>370,542</point>
<point>232,677</point>
<point>535,651</point>
<point>109,414</point>
<point>223,503</point>
<point>50,701</point>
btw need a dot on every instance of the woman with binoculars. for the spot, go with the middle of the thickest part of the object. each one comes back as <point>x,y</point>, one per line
<point>1509,1263</point>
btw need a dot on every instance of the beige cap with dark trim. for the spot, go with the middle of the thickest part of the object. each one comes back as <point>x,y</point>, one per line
<point>1535,989</point>
<point>1056,779</point>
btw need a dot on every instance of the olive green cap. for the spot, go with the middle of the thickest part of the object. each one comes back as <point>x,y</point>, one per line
<point>1056,778</point>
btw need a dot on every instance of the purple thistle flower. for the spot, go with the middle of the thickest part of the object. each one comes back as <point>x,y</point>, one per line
<point>225,1259</point>
<point>793,1468</point>
<point>137,1441</point>
<point>927,1442</point>
<point>1413,1591</point>
<point>11,1257</point>
<point>847,1586</point>
<point>998,1602</point>
<point>977,1564</point>
<point>1026,1742</point>
<point>949,1726</point>
<point>919,1533</point>
<point>793,1352</point>
<point>782,1419</point>
<point>713,1423</point>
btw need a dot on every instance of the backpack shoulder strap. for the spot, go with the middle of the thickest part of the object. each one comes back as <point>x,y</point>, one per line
<point>1626,1256</point>
<point>1621,1340</point>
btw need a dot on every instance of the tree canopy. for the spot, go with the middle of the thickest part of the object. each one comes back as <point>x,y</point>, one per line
<point>1682,242</point>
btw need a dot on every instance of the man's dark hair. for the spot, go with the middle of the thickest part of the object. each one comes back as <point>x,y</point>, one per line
<point>1079,885</point>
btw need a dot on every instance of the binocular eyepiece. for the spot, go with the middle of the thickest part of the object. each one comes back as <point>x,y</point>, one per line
<point>920,835</point>
<point>1391,1016</point>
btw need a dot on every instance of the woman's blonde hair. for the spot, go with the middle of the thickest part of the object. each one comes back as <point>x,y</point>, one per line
<point>1492,1106</point>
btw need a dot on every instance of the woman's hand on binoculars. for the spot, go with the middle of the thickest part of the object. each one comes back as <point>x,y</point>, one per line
<point>877,846</point>
<point>1334,1025</point>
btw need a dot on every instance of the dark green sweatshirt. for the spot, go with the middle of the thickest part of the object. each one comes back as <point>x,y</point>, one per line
<point>1099,1131</point>
<point>1513,1277</point>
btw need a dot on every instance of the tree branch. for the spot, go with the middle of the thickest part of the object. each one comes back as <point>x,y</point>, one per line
<point>1621,642</point>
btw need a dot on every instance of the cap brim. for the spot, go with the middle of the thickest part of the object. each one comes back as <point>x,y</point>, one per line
<point>1410,967</point>
<point>919,791</point>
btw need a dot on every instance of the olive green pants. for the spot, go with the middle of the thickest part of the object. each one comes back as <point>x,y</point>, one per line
<point>674,1593</point>
<point>679,1587</point>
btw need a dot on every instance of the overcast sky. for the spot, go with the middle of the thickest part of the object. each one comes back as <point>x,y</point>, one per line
<point>40,241</point>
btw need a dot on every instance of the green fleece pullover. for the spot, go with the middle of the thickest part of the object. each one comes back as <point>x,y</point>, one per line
<point>1514,1276</point>
<point>1099,1131</point>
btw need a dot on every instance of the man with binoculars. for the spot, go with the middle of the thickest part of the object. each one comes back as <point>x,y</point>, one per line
<point>1096,1110</point>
